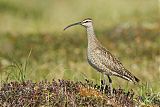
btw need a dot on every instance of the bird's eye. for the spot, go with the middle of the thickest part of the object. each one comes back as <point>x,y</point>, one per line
<point>86,21</point>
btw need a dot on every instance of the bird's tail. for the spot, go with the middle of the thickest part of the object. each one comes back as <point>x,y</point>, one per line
<point>136,80</point>
<point>125,74</point>
<point>130,77</point>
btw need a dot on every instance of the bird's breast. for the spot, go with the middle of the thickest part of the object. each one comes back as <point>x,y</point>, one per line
<point>94,61</point>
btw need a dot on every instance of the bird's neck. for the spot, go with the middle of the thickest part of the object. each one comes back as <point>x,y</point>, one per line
<point>92,40</point>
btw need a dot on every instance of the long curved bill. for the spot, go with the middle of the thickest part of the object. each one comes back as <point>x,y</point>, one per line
<point>78,23</point>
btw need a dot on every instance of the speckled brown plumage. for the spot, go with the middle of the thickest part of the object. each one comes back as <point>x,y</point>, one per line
<point>103,61</point>
<point>100,58</point>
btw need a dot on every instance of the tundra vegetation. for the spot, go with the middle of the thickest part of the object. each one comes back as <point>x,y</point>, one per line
<point>41,65</point>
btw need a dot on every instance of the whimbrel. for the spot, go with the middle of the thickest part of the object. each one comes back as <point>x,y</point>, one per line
<point>101,59</point>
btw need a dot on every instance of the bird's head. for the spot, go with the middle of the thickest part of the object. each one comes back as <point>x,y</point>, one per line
<point>86,23</point>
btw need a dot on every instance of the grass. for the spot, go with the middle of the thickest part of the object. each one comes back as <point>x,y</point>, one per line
<point>17,71</point>
<point>147,94</point>
<point>56,61</point>
<point>129,29</point>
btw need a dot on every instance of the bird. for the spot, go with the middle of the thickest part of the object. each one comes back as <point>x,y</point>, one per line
<point>101,58</point>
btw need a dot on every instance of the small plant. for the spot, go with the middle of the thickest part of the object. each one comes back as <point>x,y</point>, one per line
<point>147,96</point>
<point>17,71</point>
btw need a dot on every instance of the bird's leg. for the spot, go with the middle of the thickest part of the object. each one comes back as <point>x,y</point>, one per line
<point>104,84</point>
<point>110,84</point>
<point>100,81</point>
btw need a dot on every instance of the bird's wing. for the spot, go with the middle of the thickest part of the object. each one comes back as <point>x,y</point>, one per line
<point>112,63</point>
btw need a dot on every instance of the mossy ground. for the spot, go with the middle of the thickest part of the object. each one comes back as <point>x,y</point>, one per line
<point>64,93</point>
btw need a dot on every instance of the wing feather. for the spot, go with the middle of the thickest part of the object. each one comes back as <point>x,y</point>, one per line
<point>112,63</point>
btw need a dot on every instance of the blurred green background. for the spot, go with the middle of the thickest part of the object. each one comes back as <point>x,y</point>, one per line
<point>130,29</point>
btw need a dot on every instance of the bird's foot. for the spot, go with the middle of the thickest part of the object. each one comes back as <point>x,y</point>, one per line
<point>103,86</point>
